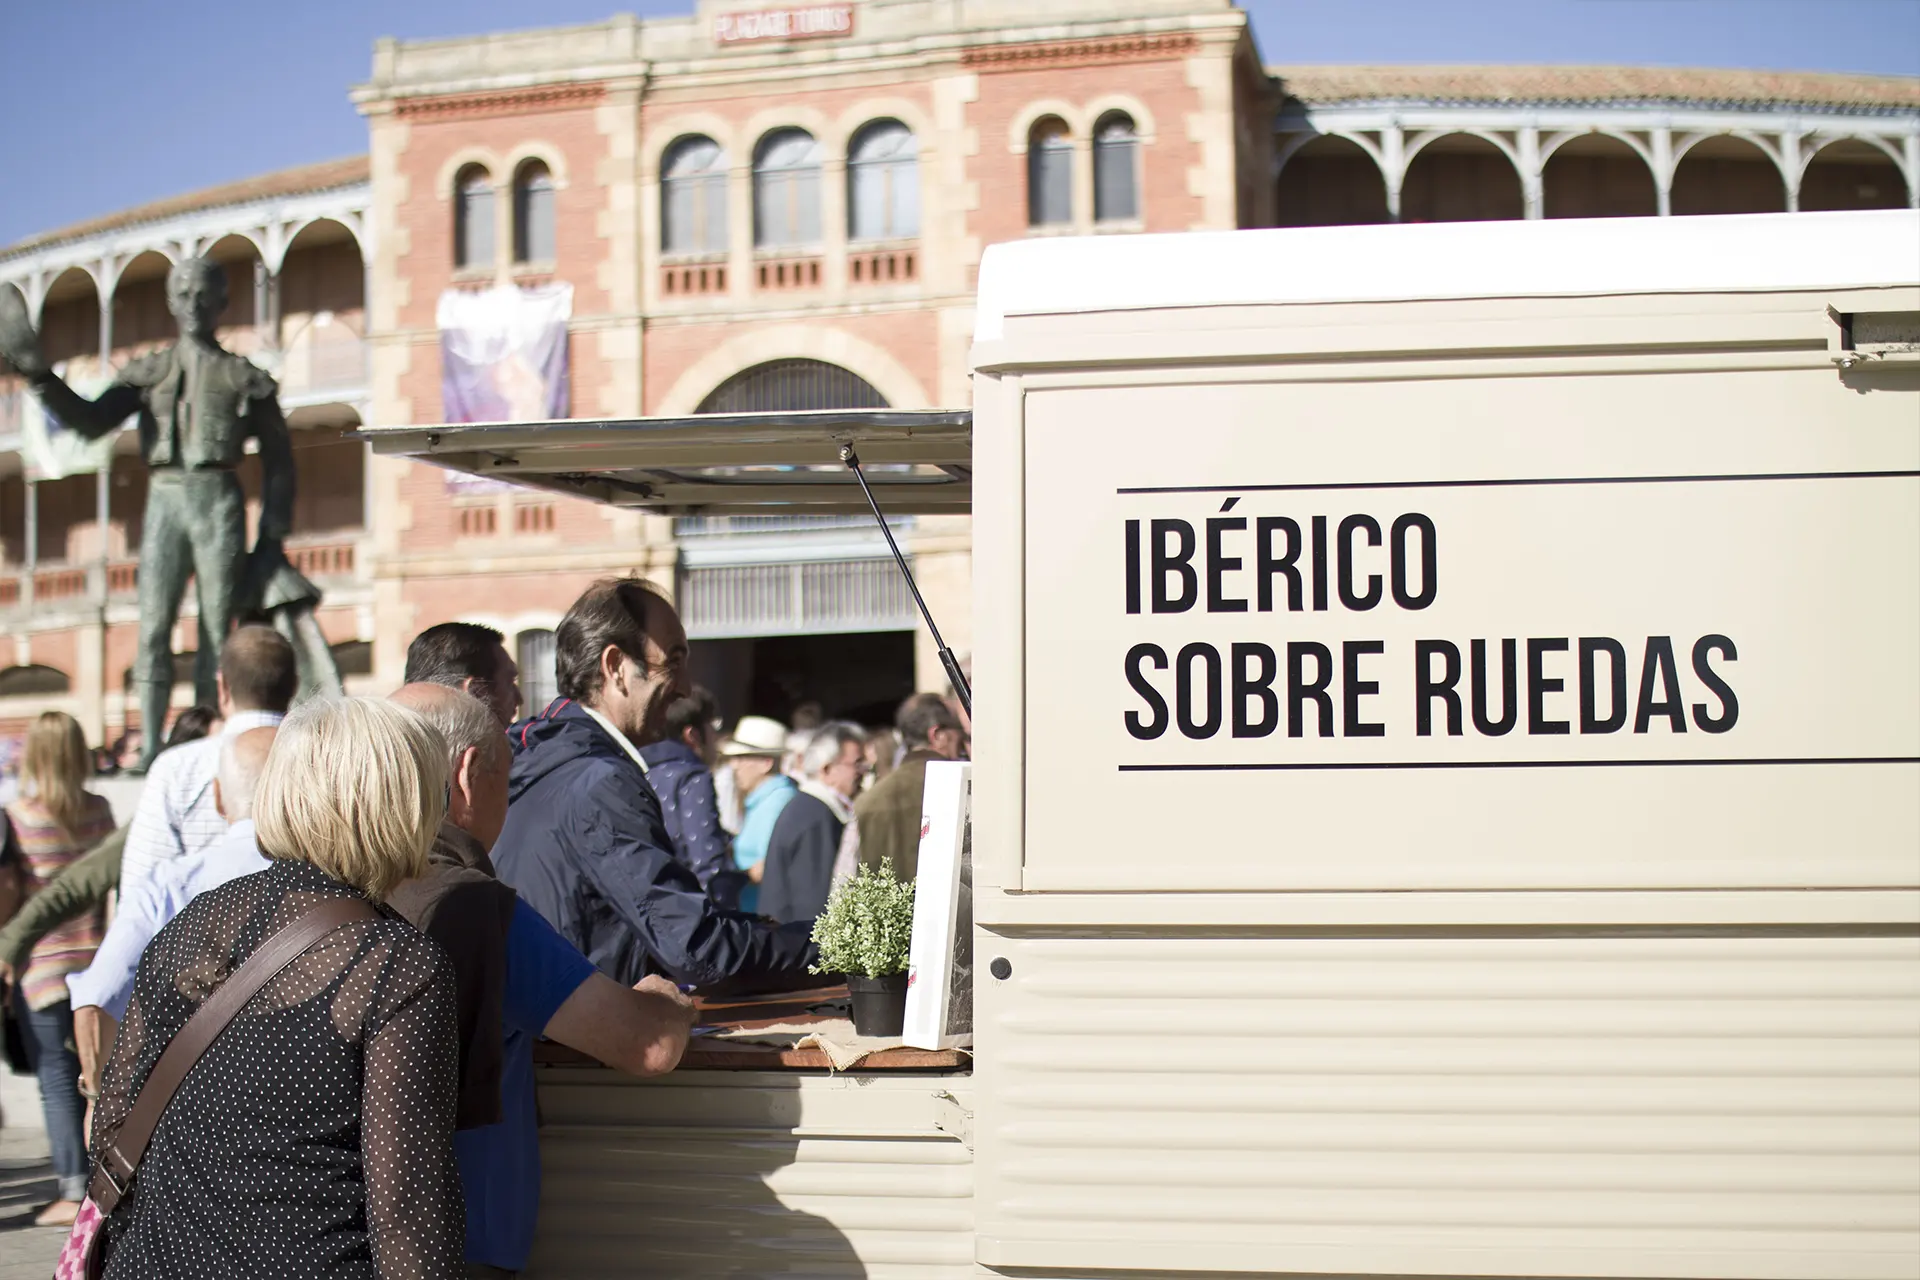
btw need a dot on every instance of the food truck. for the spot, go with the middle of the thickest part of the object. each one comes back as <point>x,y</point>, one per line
<point>1445,795</point>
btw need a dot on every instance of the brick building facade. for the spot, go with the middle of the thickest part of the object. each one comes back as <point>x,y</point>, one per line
<point>751,220</point>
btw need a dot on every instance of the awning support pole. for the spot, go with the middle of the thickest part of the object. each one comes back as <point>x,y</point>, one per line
<point>954,675</point>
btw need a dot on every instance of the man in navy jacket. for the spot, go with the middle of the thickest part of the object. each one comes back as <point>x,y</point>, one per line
<point>584,842</point>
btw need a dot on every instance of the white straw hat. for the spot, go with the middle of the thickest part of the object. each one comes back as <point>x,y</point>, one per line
<point>756,736</point>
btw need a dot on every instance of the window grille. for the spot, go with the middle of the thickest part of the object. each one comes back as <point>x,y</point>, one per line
<point>789,385</point>
<point>473,220</point>
<point>1116,187</point>
<point>786,190</point>
<point>736,526</point>
<point>533,214</point>
<point>794,599</point>
<point>538,685</point>
<point>781,386</point>
<point>693,198</point>
<point>883,183</point>
<point>1049,174</point>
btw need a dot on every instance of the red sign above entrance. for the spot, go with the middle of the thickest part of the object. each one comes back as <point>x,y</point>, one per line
<point>798,22</point>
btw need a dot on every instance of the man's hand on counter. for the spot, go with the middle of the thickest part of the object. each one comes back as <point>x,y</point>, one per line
<point>642,1031</point>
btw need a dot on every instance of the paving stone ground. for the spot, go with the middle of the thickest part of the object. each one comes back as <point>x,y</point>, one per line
<point>27,1252</point>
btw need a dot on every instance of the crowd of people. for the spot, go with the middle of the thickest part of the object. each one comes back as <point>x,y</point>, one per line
<point>363,1101</point>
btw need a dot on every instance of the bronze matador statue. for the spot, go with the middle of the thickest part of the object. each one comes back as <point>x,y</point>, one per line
<point>198,404</point>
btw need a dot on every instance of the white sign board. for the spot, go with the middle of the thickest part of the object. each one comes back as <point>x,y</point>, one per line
<point>1554,633</point>
<point>940,961</point>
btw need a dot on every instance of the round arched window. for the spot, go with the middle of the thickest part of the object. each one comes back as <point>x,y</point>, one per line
<point>789,386</point>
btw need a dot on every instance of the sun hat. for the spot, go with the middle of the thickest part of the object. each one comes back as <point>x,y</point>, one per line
<point>756,736</point>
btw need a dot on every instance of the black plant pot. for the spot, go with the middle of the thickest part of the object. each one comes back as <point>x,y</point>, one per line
<point>879,1004</point>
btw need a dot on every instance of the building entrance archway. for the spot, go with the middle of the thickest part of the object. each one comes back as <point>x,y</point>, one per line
<point>791,386</point>
<point>789,610</point>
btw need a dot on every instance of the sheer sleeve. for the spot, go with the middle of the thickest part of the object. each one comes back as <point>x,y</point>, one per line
<point>118,1086</point>
<point>416,1219</point>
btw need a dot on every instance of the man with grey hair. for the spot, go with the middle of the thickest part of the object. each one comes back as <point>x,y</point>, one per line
<point>798,872</point>
<point>459,902</point>
<point>100,992</point>
<point>518,980</point>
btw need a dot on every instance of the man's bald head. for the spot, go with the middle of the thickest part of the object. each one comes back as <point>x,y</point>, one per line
<point>477,756</point>
<point>243,757</point>
<point>462,719</point>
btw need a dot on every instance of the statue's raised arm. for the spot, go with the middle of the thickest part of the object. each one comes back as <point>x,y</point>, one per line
<point>197,405</point>
<point>21,347</point>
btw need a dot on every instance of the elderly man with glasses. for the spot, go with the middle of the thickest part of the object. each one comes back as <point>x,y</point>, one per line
<point>798,871</point>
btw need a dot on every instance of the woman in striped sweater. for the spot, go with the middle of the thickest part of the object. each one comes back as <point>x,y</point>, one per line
<point>56,820</point>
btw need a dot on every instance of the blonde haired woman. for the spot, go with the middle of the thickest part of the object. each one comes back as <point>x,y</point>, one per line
<point>56,820</point>
<point>315,1137</point>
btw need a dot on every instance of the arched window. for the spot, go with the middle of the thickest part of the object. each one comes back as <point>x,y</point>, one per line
<point>538,683</point>
<point>788,386</point>
<point>883,183</point>
<point>786,190</point>
<point>1116,173</point>
<point>17,681</point>
<point>473,218</point>
<point>693,197</point>
<point>1049,173</point>
<point>533,232</point>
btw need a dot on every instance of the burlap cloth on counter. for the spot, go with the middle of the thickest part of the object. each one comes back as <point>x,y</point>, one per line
<point>831,1032</point>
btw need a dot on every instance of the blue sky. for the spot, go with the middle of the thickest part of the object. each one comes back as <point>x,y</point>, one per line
<point>110,103</point>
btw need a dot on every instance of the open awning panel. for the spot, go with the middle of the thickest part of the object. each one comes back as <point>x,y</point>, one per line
<point>919,462</point>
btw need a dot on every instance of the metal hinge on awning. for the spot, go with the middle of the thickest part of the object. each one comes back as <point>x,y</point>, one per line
<point>950,1117</point>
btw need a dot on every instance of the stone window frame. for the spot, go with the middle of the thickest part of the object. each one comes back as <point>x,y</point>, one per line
<point>1098,110</point>
<point>930,241</point>
<point>468,261</point>
<point>723,171</point>
<point>830,248</point>
<point>739,138</point>
<point>503,170</point>
<point>786,236</point>
<point>1080,119</point>
<point>892,167</point>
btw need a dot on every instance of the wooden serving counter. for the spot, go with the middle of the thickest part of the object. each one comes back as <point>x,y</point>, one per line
<point>764,1033</point>
<point>758,1159</point>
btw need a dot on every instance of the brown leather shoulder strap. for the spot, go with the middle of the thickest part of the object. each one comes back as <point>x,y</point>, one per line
<point>120,1154</point>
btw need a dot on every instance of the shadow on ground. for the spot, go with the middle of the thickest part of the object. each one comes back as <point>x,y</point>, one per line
<point>27,1252</point>
<point>26,1184</point>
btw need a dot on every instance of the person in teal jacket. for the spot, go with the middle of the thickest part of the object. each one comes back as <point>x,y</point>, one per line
<point>754,751</point>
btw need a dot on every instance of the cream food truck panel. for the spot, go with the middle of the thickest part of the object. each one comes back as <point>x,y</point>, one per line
<point>1447,772</point>
<point>1449,738</point>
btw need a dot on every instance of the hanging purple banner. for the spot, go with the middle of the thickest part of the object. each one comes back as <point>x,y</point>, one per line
<point>503,358</point>
<point>503,353</point>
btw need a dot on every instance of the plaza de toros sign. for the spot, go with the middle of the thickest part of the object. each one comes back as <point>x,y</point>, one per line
<point>798,22</point>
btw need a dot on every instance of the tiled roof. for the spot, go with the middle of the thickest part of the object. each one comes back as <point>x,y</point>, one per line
<point>1597,84</point>
<point>299,180</point>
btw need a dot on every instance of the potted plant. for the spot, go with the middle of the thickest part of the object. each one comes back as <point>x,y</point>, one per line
<point>865,934</point>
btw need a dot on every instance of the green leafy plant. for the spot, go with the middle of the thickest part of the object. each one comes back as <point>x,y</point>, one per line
<point>867,927</point>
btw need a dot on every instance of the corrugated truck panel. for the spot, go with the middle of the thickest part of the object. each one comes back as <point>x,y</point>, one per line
<point>1716,1105</point>
<point>744,1174</point>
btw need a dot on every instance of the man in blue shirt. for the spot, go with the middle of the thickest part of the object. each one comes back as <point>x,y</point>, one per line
<point>548,989</point>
